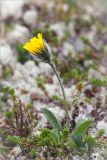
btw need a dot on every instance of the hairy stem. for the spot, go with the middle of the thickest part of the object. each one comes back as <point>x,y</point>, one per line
<point>63,92</point>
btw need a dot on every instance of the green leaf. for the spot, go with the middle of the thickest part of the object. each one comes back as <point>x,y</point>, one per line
<point>57,98</point>
<point>13,139</point>
<point>71,143</point>
<point>82,127</point>
<point>78,140</point>
<point>28,107</point>
<point>8,114</point>
<point>11,91</point>
<point>23,55</point>
<point>79,132</point>
<point>33,153</point>
<point>99,82</point>
<point>40,82</point>
<point>53,121</point>
<point>75,73</point>
<point>55,138</point>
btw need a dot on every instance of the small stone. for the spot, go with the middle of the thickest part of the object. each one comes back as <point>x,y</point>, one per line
<point>52,89</point>
<point>19,33</point>
<point>68,49</point>
<point>59,29</point>
<point>31,68</point>
<point>30,17</point>
<point>93,74</point>
<point>11,9</point>
<point>45,68</point>
<point>6,54</point>
<point>79,45</point>
<point>88,63</point>
<point>14,152</point>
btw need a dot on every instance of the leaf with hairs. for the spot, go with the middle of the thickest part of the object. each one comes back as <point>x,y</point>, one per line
<point>53,121</point>
<point>82,127</point>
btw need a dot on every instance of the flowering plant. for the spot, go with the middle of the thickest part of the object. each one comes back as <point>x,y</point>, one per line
<point>41,51</point>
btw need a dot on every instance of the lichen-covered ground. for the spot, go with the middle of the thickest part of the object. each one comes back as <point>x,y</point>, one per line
<point>77,35</point>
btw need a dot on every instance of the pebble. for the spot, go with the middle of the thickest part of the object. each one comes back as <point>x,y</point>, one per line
<point>11,8</point>
<point>32,69</point>
<point>6,54</point>
<point>68,49</point>
<point>18,34</point>
<point>59,29</point>
<point>45,68</point>
<point>14,152</point>
<point>79,45</point>
<point>30,17</point>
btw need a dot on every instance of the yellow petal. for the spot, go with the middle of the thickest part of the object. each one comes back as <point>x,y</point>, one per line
<point>35,44</point>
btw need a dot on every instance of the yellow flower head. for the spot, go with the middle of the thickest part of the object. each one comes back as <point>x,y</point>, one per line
<point>38,48</point>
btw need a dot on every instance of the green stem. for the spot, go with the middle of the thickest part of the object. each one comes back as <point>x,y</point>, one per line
<point>63,92</point>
